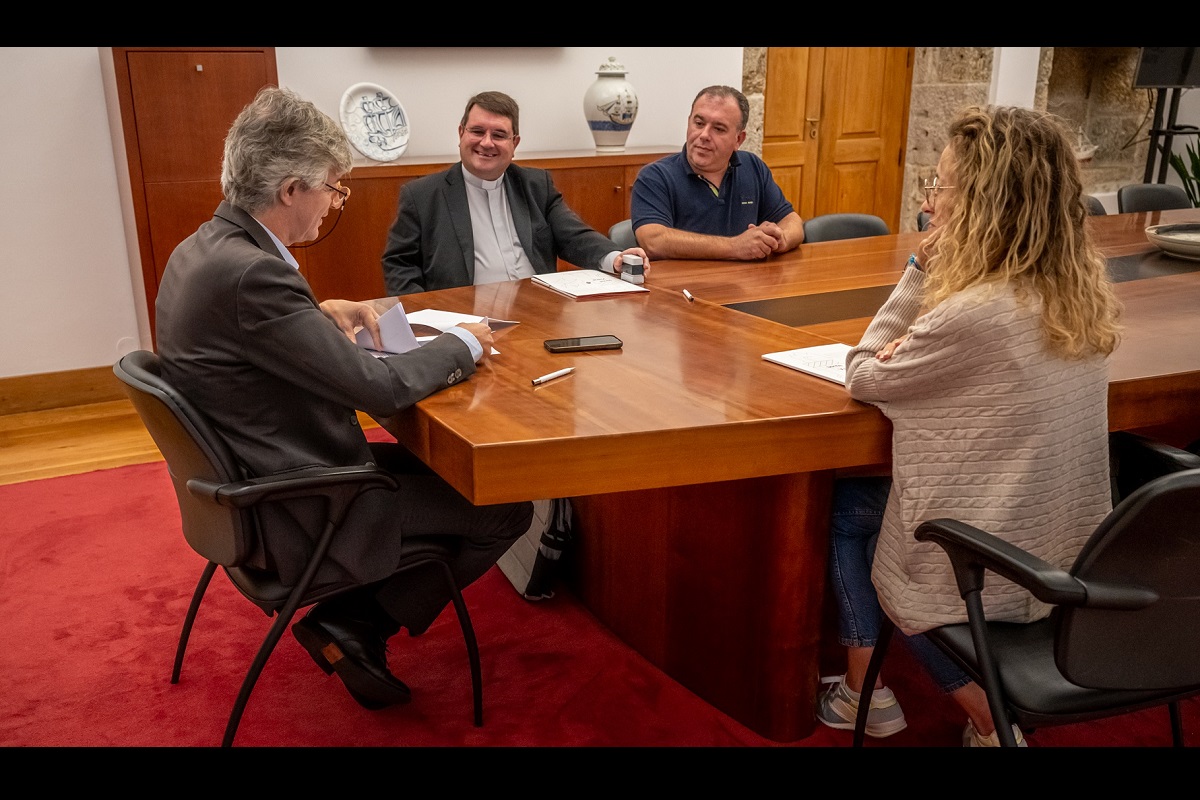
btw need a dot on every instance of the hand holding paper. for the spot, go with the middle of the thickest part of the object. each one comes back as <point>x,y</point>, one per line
<point>350,315</point>
<point>394,331</point>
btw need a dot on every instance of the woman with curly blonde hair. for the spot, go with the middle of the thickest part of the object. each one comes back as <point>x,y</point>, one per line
<point>990,360</point>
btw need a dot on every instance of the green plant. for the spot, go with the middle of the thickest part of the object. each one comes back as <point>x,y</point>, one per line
<point>1191,180</point>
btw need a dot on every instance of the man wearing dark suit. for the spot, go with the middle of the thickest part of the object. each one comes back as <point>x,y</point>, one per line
<point>486,219</point>
<point>281,377</point>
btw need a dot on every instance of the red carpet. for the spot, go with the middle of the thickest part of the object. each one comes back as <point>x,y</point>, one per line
<point>95,578</point>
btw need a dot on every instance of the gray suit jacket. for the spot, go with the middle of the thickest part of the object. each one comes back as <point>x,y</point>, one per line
<point>241,335</point>
<point>430,245</point>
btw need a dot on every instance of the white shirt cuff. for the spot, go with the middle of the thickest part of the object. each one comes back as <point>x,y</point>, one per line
<point>470,340</point>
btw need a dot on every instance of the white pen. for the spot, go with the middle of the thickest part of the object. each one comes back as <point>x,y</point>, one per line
<point>552,376</point>
<point>688,295</point>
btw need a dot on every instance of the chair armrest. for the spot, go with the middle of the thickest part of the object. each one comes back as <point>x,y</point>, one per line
<point>1172,459</point>
<point>302,483</point>
<point>1137,460</point>
<point>972,550</point>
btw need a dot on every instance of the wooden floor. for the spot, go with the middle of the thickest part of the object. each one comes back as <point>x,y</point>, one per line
<point>67,441</point>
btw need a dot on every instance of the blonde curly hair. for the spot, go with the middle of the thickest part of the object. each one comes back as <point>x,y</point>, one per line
<point>1018,219</point>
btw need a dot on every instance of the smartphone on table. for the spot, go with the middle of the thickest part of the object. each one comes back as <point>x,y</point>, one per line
<point>581,343</point>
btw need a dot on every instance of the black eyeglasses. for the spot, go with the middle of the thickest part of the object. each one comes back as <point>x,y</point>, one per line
<point>341,195</point>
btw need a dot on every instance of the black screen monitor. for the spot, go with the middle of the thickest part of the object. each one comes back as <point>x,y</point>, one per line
<point>1167,67</point>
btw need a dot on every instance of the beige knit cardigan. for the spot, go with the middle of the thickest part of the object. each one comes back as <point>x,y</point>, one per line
<point>989,428</point>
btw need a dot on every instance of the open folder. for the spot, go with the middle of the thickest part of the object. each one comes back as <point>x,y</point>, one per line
<point>402,332</point>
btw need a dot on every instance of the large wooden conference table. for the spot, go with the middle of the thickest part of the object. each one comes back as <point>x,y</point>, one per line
<point>700,474</point>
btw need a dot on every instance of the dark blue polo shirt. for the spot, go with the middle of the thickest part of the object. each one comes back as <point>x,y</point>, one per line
<point>669,192</point>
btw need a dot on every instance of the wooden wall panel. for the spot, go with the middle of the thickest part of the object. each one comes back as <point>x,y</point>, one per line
<point>174,211</point>
<point>348,263</point>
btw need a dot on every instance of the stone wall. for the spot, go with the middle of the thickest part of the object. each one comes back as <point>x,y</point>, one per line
<point>1089,86</point>
<point>1093,88</point>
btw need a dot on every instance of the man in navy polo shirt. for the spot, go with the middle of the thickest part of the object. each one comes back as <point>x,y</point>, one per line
<point>709,200</point>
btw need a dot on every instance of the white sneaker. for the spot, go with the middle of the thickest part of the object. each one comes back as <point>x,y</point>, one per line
<point>973,738</point>
<point>837,707</point>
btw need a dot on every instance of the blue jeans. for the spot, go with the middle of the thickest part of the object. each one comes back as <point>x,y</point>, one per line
<point>858,505</point>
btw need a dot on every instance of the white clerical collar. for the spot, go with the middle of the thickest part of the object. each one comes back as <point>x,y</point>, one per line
<point>480,183</point>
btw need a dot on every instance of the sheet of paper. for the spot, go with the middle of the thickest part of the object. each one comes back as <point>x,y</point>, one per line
<point>444,320</point>
<point>396,329</point>
<point>579,283</point>
<point>826,361</point>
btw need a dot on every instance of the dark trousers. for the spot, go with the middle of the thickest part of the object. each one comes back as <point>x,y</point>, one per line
<point>425,505</point>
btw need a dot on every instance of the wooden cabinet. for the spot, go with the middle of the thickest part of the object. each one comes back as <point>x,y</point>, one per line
<point>347,263</point>
<point>600,195</point>
<point>176,106</point>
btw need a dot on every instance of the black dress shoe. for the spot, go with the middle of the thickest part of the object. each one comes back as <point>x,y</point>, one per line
<point>357,653</point>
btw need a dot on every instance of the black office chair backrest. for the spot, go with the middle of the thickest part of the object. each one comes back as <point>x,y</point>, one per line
<point>1151,197</point>
<point>191,449</point>
<point>1094,206</point>
<point>1151,540</point>
<point>622,234</point>
<point>828,227</point>
<point>922,220</point>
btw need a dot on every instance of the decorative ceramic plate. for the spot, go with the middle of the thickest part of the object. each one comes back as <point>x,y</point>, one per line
<point>375,121</point>
<point>1179,239</point>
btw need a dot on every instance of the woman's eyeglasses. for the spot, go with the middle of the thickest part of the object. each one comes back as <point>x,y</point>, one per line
<point>932,187</point>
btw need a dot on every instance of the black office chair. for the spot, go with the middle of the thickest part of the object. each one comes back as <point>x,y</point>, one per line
<point>1151,197</point>
<point>216,507</point>
<point>1094,206</point>
<point>1119,638</point>
<point>1135,460</point>
<point>828,227</point>
<point>622,234</point>
<point>922,220</point>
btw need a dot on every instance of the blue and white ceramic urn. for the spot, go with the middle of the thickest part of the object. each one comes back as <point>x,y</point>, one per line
<point>610,106</point>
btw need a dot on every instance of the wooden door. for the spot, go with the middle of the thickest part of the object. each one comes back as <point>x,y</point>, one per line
<point>176,106</point>
<point>791,114</point>
<point>835,124</point>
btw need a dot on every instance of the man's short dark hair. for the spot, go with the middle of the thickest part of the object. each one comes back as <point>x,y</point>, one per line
<point>495,103</point>
<point>728,91</point>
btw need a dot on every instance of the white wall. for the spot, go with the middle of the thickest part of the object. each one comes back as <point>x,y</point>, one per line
<point>64,268</point>
<point>1014,76</point>
<point>434,83</point>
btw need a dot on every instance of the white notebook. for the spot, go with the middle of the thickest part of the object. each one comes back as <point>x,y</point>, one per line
<point>578,283</point>
<point>826,361</point>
